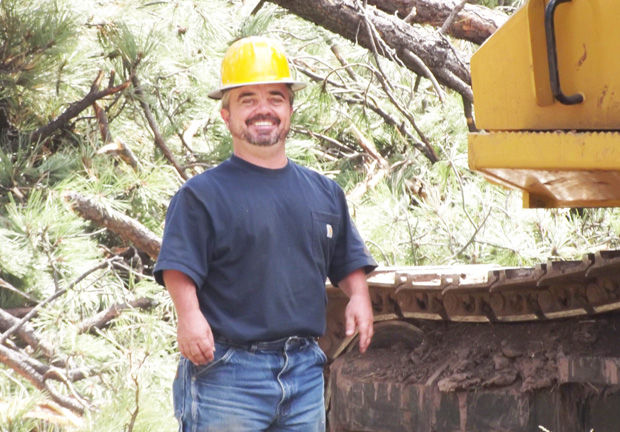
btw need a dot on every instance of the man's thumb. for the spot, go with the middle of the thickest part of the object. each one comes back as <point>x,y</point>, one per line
<point>350,326</point>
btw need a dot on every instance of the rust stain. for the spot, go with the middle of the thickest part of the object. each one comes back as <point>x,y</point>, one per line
<point>583,57</point>
<point>599,103</point>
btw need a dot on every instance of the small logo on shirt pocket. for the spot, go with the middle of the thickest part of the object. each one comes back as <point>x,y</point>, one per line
<point>325,230</point>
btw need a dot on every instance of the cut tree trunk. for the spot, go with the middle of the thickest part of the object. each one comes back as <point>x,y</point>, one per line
<point>474,23</point>
<point>412,44</point>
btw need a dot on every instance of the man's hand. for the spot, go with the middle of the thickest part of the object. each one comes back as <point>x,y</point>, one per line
<point>193,331</point>
<point>358,313</point>
<point>195,338</point>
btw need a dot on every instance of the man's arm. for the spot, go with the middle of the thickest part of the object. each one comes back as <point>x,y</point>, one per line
<point>193,331</point>
<point>358,314</point>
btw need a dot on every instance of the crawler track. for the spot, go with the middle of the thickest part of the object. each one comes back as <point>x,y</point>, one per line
<point>479,293</point>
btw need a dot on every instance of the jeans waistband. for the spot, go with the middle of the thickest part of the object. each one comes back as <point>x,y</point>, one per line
<point>273,345</point>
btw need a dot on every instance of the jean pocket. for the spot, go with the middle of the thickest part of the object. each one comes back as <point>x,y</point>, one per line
<point>222,355</point>
<point>319,352</point>
<point>179,391</point>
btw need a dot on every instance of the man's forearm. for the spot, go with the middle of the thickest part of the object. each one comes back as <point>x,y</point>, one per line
<point>182,291</point>
<point>354,284</point>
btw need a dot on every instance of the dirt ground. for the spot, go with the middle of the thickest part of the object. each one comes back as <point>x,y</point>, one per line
<point>468,356</point>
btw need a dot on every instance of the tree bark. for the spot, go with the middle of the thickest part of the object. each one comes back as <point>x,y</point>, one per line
<point>117,222</point>
<point>159,140</point>
<point>474,23</point>
<point>103,318</point>
<point>27,333</point>
<point>76,108</point>
<point>20,364</point>
<point>410,43</point>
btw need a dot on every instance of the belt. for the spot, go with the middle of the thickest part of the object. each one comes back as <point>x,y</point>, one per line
<point>273,345</point>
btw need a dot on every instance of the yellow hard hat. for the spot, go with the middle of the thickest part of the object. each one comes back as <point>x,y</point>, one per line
<point>255,60</point>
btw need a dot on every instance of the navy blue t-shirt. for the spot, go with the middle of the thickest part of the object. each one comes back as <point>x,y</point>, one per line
<point>259,244</point>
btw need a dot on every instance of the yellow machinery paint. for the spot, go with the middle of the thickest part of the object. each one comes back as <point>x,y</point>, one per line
<point>555,136</point>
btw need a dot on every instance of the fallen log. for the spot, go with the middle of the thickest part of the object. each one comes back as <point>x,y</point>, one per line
<point>473,22</point>
<point>411,44</point>
<point>17,361</point>
<point>126,227</point>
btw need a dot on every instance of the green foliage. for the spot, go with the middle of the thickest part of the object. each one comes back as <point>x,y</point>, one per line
<point>14,414</point>
<point>48,242</point>
<point>31,165</point>
<point>124,47</point>
<point>257,24</point>
<point>33,39</point>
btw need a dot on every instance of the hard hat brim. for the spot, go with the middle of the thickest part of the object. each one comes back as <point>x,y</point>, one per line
<point>295,86</point>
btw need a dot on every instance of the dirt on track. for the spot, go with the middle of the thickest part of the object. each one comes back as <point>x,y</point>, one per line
<point>468,356</point>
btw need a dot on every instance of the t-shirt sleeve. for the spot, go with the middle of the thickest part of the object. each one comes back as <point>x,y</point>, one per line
<point>350,252</point>
<point>185,244</point>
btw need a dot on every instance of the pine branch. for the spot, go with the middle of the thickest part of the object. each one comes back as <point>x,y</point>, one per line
<point>378,169</point>
<point>159,140</point>
<point>452,16</point>
<point>18,324</point>
<point>369,147</point>
<point>77,107</point>
<point>120,149</point>
<point>26,333</point>
<point>126,227</point>
<point>423,147</point>
<point>102,121</point>
<point>20,364</point>
<point>375,38</point>
<point>4,284</point>
<point>103,318</point>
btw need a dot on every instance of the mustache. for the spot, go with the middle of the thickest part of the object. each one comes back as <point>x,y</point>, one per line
<point>262,117</point>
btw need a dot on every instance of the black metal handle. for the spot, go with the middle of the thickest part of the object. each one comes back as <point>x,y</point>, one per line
<point>552,57</point>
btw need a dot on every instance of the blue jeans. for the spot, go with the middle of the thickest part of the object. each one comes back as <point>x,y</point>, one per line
<point>271,386</point>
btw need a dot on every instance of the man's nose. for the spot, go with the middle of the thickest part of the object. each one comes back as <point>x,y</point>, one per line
<point>263,105</point>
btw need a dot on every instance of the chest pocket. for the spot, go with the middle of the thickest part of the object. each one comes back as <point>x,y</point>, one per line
<point>325,231</point>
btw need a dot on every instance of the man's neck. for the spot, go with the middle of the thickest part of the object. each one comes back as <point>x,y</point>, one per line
<point>272,157</point>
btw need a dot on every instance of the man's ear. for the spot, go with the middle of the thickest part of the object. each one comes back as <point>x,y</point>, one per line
<point>225,116</point>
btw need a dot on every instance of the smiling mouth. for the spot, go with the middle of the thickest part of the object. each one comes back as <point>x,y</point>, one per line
<point>263,121</point>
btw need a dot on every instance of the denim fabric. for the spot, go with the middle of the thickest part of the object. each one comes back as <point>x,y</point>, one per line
<point>251,390</point>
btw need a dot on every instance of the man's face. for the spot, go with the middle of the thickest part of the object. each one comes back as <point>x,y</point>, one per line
<point>259,114</point>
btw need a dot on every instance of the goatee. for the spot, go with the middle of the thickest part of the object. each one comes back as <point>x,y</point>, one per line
<point>264,140</point>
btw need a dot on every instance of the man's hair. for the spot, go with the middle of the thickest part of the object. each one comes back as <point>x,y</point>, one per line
<point>226,97</point>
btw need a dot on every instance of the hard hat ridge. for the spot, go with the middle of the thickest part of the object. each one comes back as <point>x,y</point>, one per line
<point>254,60</point>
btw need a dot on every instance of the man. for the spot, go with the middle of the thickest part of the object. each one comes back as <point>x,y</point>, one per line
<point>246,251</point>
